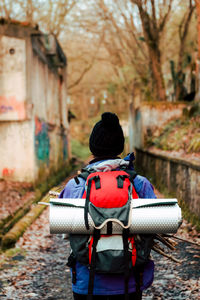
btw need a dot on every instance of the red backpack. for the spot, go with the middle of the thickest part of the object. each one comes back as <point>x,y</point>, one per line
<point>108,202</point>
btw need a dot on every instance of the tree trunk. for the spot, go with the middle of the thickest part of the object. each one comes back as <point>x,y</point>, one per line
<point>157,75</point>
<point>197,97</point>
<point>180,75</point>
<point>183,32</point>
<point>152,38</point>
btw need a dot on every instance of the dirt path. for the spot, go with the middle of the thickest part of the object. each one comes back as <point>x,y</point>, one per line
<point>38,270</point>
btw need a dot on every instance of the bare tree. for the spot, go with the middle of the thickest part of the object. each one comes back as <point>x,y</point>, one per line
<point>183,32</point>
<point>51,15</point>
<point>126,52</point>
<point>197,97</point>
<point>110,44</point>
<point>153,17</point>
<point>6,9</point>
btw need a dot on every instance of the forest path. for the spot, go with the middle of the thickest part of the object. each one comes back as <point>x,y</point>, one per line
<point>36,268</point>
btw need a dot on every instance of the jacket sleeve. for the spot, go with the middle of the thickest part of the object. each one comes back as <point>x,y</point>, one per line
<point>144,188</point>
<point>73,190</point>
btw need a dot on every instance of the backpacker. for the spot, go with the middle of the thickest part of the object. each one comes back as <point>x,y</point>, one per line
<point>108,202</point>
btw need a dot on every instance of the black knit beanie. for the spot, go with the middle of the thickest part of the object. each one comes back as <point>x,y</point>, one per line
<point>107,138</point>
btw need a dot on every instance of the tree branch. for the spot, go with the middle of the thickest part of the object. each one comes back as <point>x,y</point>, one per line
<point>163,22</point>
<point>153,10</point>
<point>77,81</point>
<point>185,23</point>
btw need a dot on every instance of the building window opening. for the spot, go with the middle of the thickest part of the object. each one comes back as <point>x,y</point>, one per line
<point>12,51</point>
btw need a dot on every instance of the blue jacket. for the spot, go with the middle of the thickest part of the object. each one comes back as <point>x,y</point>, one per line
<point>106,284</point>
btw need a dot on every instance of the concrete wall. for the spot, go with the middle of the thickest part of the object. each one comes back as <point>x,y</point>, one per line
<point>46,111</point>
<point>48,95</point>
<point>16,151</point>
<point>12,79</point>
<point>176,176</point>
<point>33,110</point>
<point>147,118</point>
<point>16,130</point>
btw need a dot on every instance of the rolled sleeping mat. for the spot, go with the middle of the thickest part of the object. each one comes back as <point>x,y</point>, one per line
<point>147,216</point>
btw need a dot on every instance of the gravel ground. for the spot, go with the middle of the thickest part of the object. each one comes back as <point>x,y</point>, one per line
<point>36,268</point>
<point>13,195</point>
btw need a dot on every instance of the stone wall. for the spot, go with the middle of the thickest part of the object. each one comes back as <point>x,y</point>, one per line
<point>147,118</point>
<point>176,176</point>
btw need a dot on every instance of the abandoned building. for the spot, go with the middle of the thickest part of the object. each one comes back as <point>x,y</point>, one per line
<point>33,106</point>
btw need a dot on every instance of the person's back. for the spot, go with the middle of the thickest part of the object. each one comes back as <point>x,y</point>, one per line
<point>106,143</point>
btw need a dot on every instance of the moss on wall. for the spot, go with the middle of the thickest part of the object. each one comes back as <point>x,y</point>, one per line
<point>45,182</point>
<point>173,180</point>
<point>14,226</point>
<point>19,228</point>
<point>160,104</point>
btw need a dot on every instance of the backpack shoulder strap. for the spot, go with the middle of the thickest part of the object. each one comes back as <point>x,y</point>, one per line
<point>131,173</point>
<point>84,174</point>
<point>126,262</point>
<point>96,236</point>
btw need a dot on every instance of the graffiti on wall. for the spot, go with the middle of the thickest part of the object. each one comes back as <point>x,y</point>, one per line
<point>10,105</point>
<point>6,172</point>
<point>42,141</point>
<point>5,109</point>
<point>64,142</point>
